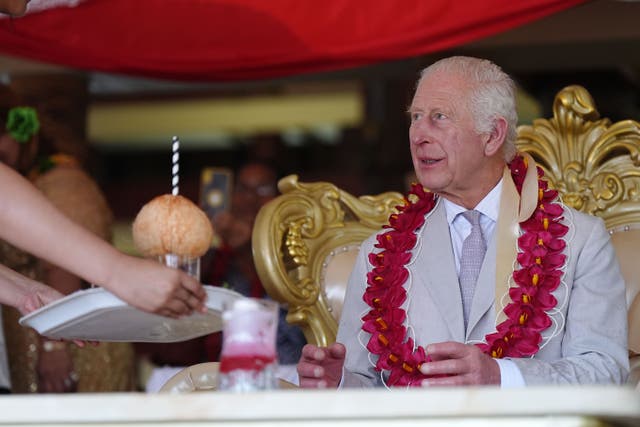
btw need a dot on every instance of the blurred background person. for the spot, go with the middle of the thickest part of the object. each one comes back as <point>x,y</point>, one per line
<point>231,263</point>
<point>28,143</point>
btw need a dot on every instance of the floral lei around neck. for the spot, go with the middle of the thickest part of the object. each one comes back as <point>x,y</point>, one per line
<point>540,259</point>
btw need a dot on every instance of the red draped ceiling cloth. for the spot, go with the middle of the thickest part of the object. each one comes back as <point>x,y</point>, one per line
<point>254,39</point>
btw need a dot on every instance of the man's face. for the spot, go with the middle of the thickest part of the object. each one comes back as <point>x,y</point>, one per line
<point>447,151</point>
<point>13,7</point>
<point>255,186</point>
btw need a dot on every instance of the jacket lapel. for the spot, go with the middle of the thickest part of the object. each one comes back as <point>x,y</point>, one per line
<point>436,271</point>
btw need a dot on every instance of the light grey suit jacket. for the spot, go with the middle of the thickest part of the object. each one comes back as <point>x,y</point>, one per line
<point>589,346</point>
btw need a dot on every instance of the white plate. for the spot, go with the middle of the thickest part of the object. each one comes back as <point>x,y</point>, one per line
<point>98,315</point>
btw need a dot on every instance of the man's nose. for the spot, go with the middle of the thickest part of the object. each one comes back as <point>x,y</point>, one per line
<point>418,133</point>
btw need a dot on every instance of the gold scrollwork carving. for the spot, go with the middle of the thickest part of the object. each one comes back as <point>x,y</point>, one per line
<point>592,163</point>
<point>295,233</point>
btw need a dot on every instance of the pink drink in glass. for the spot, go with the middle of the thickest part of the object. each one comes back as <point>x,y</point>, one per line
<point>248,361</point>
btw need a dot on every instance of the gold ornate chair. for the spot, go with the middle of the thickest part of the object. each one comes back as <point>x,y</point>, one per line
<point>595,166</point>
<point>305,242</point>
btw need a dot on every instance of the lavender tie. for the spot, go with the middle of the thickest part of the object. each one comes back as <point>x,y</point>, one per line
<point>473,250</point>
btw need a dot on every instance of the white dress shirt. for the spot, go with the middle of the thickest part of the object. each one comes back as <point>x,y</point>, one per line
<point>460,228</point>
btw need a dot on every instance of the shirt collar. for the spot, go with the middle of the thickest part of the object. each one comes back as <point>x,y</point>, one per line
<point>489,206</point>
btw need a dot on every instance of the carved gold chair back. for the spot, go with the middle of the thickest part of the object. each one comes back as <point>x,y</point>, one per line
<point>595,166</point>
<point>305,242</point>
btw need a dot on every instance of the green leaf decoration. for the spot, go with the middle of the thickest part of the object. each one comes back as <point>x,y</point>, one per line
<point>22,123</point>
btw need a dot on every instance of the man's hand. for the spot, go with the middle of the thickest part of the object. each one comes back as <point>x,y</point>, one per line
<point>321,367</point>
<point>456,364</point>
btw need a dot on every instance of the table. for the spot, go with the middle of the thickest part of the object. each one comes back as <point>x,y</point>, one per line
<point>485,406</point>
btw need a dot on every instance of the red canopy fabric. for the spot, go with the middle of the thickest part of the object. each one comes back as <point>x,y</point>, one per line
<point>213,40</point>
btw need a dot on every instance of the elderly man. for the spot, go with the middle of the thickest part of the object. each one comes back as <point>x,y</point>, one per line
<point>488,278</point>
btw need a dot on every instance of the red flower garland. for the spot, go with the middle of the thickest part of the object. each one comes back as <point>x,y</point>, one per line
<point>540,258</point>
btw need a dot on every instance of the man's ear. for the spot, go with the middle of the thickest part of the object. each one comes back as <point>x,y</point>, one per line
<point>495,138</point>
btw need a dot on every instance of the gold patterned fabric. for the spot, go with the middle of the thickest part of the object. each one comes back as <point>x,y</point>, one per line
<point>21,343</point>
<point>107,367</point>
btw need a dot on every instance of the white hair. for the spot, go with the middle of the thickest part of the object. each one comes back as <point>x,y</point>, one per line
<point>492,94</point>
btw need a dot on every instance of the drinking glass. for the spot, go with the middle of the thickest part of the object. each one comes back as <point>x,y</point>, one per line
<point>248,360</point>
<point>191,265</point>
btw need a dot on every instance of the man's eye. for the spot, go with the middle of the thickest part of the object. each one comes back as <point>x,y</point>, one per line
<point>439,116</point>
<point>415,116</point>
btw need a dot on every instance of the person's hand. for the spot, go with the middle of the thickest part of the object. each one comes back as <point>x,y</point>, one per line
<point>36,296</point>
<point>153,287</point>
<point>321,367</point>
<point>55,369</point>
<point>454,364</point>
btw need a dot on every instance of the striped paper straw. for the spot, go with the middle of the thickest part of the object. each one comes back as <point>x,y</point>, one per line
<point>175,179</point>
